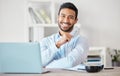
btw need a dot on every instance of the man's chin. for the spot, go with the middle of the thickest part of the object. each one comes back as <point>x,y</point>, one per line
<point>65,30</point>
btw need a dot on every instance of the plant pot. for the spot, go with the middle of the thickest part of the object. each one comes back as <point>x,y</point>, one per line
<point>116,63</point>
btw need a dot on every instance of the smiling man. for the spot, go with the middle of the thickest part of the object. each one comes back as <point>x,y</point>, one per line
<point>64,49</point>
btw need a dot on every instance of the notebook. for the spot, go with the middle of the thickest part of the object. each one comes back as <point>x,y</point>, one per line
<point>20,58</point>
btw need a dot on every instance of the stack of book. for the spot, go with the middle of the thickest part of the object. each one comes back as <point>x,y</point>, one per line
<point>94,56</point>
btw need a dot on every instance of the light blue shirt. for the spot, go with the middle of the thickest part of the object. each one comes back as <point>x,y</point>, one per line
<point>68,55</point>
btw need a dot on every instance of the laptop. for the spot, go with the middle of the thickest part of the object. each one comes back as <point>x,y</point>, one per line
<point>20,57</point>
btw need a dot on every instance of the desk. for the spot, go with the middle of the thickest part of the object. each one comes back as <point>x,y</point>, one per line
<point>58,72</point>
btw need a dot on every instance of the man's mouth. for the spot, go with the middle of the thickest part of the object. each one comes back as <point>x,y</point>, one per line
<point>65,24</point>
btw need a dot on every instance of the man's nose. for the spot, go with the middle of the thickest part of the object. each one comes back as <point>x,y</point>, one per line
<point>66,19</point>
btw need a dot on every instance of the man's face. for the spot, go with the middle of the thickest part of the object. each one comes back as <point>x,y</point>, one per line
<point>66,19</point>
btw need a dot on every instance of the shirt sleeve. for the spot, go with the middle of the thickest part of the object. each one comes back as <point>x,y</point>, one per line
<point>47,53</point>
<point>75,57</point>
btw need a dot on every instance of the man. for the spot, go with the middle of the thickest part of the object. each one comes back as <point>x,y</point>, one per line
<point>64,49</point>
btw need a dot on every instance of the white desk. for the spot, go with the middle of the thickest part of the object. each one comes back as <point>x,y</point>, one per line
<point>58,72</point>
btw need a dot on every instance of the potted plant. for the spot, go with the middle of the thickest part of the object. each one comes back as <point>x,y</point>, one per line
<point>116,58</point>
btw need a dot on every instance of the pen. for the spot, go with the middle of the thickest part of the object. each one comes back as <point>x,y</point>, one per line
<point>80,69</point>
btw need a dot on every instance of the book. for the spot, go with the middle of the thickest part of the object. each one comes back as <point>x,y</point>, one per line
<point>93,58</point>
<point>40,16</point>
<point>44,15</point>
<point>36,18</point>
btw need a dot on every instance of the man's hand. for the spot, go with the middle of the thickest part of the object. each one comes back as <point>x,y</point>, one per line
<point>65,38</point>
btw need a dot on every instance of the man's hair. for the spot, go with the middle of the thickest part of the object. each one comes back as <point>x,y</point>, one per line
<point>69,5</point>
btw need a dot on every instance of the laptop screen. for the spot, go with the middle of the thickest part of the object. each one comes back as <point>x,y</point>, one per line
<point>20,58</point>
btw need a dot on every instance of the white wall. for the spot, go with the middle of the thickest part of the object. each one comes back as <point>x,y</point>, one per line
<point>100,20</point>
<point>12,21</point>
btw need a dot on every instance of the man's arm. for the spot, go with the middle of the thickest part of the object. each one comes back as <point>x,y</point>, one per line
<point>76,56</point>
<point>48,51</point>
<point>49,48</point>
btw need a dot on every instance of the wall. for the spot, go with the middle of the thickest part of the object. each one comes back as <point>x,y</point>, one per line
<point>100,21</point>
<point>12,21</point>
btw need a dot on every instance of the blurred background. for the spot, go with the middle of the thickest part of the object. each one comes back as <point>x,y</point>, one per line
<point>99,20</point>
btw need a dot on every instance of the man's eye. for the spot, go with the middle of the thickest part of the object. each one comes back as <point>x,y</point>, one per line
<point>71,17</point>
<point>62,16</point>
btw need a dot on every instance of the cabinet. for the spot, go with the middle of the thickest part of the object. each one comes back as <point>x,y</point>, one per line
<point>42,18</point>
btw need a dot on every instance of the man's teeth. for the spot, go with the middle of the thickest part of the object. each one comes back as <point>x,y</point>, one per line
<point>65,24</point>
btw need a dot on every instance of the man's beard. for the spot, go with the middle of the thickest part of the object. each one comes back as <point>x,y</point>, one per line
<point>68,30</point>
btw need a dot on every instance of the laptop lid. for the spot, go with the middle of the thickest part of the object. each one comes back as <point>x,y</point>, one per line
<point>20,58</point>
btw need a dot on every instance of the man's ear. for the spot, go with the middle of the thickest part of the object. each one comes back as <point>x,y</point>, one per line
<point>76,20</point>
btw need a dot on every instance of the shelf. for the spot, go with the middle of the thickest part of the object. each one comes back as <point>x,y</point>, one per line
<point>49,25</point>
<point>44,25</point>
<point>41,12</point>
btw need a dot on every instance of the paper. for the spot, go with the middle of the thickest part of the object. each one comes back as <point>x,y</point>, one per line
<point>80,67</point>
